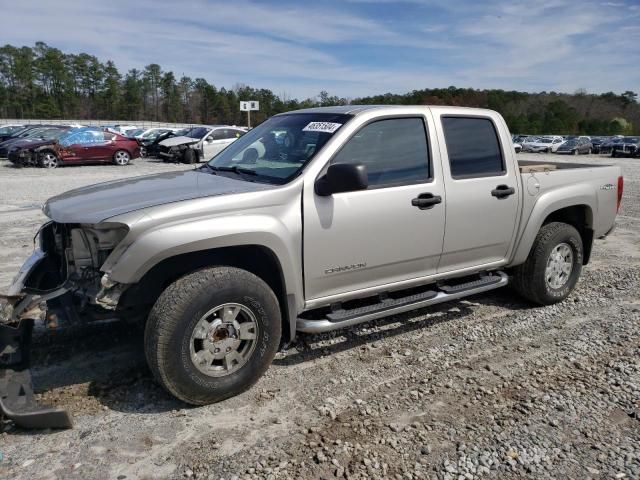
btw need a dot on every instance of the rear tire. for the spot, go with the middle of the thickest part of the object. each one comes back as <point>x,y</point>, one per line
<point>121,158</point>
<point>553,266</point>
<point>191,328</point>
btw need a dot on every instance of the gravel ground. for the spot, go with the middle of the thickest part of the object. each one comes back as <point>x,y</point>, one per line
<point>486,387</point>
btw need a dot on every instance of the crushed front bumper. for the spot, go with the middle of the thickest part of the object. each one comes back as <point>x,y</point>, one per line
<point>17,400</point>
<point>18,313</point>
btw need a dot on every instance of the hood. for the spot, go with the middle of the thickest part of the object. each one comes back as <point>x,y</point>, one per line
<point>173,141</point>
<point>96,203</point>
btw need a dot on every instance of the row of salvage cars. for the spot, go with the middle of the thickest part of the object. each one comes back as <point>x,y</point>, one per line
<point>616,146</point>
<point>50,146</point>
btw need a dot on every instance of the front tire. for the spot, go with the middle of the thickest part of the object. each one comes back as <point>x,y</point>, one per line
<point>48,160</point>
<point>553,266</point>
<point>189,156</point>
<point>212,334</point>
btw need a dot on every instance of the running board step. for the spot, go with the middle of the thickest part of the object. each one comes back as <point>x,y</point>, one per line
<point>342,318</point>
<point>386,304</point>
<point>472,285</point>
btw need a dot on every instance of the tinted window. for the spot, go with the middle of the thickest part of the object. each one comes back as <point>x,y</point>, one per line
<point>233,133</point>
<point>395,151</point>
<point>474,150</point>
<point>217,134</point>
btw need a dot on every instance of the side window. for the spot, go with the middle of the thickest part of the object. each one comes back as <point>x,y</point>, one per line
<point>218,134</point>
<point>395,151</point>
<point>473,146</point>
<point>233,133</point>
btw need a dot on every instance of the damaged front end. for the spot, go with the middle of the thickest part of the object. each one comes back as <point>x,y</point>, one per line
<point>60,283</point>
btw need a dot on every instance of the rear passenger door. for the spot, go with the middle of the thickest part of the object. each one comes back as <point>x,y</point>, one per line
<point>482,191</point>
<point>372,239</point>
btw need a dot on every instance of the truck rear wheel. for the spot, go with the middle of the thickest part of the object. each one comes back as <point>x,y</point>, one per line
<point>553,267</point>
<point>212,334</point>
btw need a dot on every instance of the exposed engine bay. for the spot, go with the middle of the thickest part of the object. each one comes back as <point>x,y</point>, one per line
<point>67,264</point>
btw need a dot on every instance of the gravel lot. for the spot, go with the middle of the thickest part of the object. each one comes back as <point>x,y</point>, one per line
<point>486,387</point>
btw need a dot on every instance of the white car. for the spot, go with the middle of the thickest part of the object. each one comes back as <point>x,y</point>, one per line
<point>543,144</point>
<point>199,143</point>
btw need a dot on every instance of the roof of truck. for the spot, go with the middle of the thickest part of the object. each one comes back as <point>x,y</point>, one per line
<point>356,109</point>
<point>345,109</point>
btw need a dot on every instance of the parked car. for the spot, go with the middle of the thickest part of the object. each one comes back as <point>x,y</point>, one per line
<point>150,147</point>
<point>543,144</point>
<point>19,152</point>
<point>198,143</point>
<point>8,130</point>
<point>33,133</point>
<point>133,133</point>
<point>626,147</point>
<point>83,145</point>
<point>151,133</point>
<point>608,146</point>
<point>596,142</point>
<point>227,261</point>
<point>575,146</point>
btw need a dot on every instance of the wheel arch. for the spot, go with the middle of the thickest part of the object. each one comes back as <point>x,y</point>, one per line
<point>576,213</point>
<point>257,259</point>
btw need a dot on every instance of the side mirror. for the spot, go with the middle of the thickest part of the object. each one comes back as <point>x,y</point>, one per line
<point>342,177</point>
<point>210,139</point>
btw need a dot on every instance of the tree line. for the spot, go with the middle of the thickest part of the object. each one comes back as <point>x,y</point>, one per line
<point>44,82</point>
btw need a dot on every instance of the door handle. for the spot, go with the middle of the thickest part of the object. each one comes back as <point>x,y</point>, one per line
<point>503,191</point>
<point>424,201</point>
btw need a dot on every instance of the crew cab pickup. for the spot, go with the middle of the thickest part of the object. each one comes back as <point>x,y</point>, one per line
<point>315,220</point>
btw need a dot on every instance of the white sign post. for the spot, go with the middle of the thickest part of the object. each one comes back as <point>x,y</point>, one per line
<point>248,107</point>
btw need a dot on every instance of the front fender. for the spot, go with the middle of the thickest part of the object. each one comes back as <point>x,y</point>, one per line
<point>547,203</point>
<point>165,241</point>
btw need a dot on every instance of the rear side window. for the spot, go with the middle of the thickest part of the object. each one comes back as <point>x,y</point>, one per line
<point>473,146</point>
<point>395,151</point>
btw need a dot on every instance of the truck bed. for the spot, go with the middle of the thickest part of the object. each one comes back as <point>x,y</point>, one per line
<point>527,166</point>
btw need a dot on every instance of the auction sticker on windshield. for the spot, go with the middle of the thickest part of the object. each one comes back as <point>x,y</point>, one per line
<point>327,127</point>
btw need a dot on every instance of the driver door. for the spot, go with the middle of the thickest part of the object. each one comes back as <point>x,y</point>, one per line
<point>372,239</point>
<point>214,143</point>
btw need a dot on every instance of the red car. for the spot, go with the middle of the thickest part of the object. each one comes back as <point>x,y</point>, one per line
<point>86,145</point>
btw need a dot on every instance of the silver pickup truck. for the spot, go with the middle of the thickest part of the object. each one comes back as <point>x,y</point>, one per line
<point>316,220</point>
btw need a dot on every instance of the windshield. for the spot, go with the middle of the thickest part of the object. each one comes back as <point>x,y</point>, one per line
<point>570,143</point>
<point>544,140</point>
<point>277,150</point>
<point>133,133</point>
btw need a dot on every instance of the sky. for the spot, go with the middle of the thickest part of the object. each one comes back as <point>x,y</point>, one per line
<point>350,48</point>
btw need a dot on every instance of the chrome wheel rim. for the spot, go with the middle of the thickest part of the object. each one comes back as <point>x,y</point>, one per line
<point>122,158</point>
<point>559,266</point>
<point>49,160</point>
<point>223,340</point>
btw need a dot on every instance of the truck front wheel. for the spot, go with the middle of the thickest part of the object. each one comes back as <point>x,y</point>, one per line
<point>553,267</point>
<point>212,334</point>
